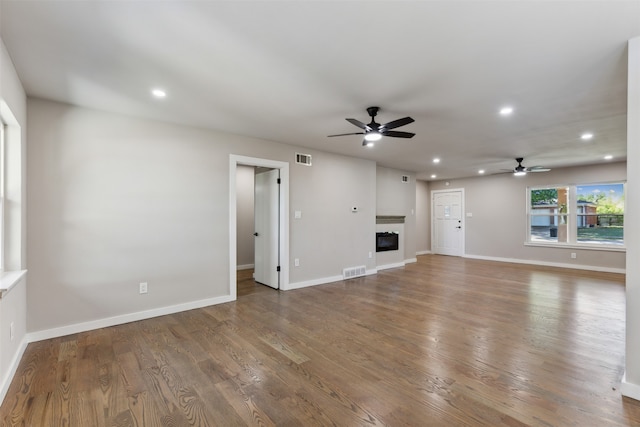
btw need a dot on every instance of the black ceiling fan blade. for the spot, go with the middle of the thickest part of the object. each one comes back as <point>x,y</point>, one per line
<point>398,134</point>
<point>359,124</point>
<point>344,134</point>
<point>397,123</point>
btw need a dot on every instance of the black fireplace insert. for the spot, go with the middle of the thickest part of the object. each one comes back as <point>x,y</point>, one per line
<point>387,241</point>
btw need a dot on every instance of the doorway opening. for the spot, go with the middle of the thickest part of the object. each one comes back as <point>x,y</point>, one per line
<point>277,233</point>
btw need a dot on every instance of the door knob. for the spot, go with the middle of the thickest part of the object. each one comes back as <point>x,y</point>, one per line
<point>255,234</point>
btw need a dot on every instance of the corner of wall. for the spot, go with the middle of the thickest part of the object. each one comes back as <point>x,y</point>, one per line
<point>631,381</point>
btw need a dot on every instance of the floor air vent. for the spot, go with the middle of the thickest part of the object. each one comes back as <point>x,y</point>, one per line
<point>351,272</point>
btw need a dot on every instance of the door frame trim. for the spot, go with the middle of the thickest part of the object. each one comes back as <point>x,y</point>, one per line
<point>234,161</point>
<point>462,215</point>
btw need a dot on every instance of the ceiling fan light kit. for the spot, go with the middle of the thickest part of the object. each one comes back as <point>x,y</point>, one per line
<point>373,136</point>
<point>375,131</point>
<point>521,170</point>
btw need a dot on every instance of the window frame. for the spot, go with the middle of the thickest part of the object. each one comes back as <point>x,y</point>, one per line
<point>571,218</point>
<point>3,144</point>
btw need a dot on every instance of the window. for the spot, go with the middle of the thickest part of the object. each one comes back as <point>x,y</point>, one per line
<point>3,134</point>
<point>582,215</point>
<point>11,196</point>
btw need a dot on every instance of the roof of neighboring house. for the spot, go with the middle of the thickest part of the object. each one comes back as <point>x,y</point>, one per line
<point>545,204</point>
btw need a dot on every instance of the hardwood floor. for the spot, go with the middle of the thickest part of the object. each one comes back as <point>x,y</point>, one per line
<point>247,286</point>
<point>443,342</point>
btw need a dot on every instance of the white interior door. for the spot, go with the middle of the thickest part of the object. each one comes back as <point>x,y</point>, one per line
<point>266,230</point>
<point>448,234</point>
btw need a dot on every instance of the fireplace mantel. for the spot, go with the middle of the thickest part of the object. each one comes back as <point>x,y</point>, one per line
<point>390,219</point>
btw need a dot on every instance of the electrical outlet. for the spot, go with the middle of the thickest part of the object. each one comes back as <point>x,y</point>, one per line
<point>296,262</point>
<point>573,255</point>
<point>143,287</point>
<point>11,331</point>
<point>370,254</point>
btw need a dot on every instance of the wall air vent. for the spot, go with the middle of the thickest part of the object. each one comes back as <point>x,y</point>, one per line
<point>405,178</point>
<point>351,272</point>
<point>303,159</point>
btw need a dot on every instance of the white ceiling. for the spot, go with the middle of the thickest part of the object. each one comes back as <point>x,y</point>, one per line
<point>292,71</point>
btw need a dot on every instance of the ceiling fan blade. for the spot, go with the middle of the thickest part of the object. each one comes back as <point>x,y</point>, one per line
<point>397,123</point>
<point>359,124</point>
<point>397,134</point>
<point>344,134</point>
<point>538,169</point>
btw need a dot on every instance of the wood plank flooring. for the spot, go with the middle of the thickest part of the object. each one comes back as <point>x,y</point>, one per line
<point>443,342</point>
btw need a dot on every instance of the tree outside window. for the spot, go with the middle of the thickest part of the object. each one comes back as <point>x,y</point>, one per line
<point>601,219</point>
<point>591,214</point>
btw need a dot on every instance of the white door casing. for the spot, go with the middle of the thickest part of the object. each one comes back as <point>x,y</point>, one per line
<point>447,222</point>
<point>266,229</point>
<point>234,161</point>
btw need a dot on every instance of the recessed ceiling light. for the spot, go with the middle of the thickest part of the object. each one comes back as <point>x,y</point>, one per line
<point>158,93</point>
<point>433,176</point>
<point>506,111</point>
<point>481,171</point>
<point>608,157</point>
<point>586,136</point>
<point>436,160</point>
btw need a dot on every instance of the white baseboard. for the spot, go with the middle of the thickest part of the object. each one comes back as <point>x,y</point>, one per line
<point>245,267</point>
<point>548,264</point>
<point>410,260</point>
<point>423,252</point>
<point>629,389</point>
<point>322,281</point>
<point>125,318</point>
<point>13,367</point>
<point>388,266</point>
<point>314,282</point>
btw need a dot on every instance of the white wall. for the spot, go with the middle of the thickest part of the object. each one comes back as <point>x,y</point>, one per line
<point>498,226</point>
<point>631,384</point>
<point>423,217</point>
<point>324,193</point>
<point>13,305</point>
<point>395,197</point>
<point>116,201</point>
<point>245,176</point>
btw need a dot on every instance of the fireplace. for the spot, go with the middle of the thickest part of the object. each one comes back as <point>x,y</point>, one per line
<point>386,241</point>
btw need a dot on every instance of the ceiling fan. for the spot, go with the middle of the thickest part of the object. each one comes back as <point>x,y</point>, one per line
<point>522,170</point>
<point>374,131</point>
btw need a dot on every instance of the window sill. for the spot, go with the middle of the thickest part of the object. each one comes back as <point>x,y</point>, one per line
<point>581,247</point>
<point>9,279</point>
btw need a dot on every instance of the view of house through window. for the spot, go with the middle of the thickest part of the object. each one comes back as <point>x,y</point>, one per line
<point>591,214</point>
